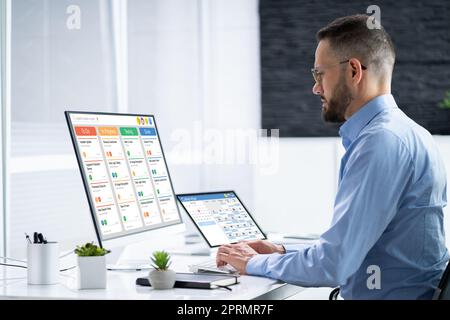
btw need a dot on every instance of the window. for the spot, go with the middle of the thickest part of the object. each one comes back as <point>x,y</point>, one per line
<point>190,63</point>
<point>81,56</point>
<point>57,64</point>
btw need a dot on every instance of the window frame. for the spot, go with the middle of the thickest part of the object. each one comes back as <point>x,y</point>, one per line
<point>5,117</point>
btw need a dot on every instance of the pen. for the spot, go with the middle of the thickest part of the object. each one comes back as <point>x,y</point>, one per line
<point>27,237</point>
<point>35,237</point>
<point>41,238</point>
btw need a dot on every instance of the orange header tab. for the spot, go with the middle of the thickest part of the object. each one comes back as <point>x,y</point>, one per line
<point>85,131</point>
<point>108,131</point>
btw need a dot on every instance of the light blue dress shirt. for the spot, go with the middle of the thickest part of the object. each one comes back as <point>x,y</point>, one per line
<point>388,214</point>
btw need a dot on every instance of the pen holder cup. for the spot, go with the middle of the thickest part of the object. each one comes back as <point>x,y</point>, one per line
<point>43,263</point>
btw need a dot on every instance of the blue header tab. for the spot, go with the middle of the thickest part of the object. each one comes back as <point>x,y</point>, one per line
<point>147,131</point>
<point>209,196</point>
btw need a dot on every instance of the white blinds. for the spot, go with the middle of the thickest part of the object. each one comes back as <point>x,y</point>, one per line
<point>58,63</point>
<point>70,56</point>
<point>191,63</point>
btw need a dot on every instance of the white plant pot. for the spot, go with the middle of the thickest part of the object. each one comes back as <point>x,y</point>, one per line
<point>162,279</point>
<point>92,272</point>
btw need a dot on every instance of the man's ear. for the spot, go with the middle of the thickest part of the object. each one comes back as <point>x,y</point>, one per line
<point>356,69</point>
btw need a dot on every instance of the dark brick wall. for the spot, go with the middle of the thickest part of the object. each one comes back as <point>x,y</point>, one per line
<point>420,31</point>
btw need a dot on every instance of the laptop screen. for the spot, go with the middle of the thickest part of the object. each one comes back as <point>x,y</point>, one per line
<point>220,217</point>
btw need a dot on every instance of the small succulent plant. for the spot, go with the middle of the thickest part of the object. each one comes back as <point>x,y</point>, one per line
<point>161,260</point>
<point>90,250</point>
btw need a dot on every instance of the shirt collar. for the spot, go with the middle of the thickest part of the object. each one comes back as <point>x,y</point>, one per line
<point>351,128</point>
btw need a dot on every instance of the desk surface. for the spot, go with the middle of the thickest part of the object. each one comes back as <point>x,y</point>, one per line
<point>121,285</point>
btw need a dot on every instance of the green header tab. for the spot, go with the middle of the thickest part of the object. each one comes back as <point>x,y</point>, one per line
<point>128,131</point>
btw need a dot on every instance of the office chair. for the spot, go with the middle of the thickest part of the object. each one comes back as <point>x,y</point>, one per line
<point>334,294</point>
<point>443,289</point>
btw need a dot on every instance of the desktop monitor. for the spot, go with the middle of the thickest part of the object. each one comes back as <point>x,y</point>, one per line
<point>125,176</point>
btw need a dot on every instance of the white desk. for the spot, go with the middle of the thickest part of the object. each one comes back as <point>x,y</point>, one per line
<point>121,285</point>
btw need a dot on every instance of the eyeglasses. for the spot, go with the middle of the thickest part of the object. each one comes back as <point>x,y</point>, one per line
<point>317,74</point>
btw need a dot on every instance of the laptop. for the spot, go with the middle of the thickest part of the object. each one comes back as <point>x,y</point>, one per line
<point>221,218</point>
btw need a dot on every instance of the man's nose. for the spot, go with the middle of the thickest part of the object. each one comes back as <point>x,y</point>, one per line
<point>317,89</point>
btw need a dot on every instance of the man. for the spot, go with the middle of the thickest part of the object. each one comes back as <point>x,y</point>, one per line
<point>388,212</point>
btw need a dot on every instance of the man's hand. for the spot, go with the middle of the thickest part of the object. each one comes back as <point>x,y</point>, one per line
<point>236,255</point>
<point>265,247</point>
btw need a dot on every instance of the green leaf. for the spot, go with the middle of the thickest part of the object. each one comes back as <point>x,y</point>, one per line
<point>445,104</point>
<point>160,260</point>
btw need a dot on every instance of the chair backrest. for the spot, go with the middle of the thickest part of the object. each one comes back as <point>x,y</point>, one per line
<point>334,294</point>
<point>443,290</point>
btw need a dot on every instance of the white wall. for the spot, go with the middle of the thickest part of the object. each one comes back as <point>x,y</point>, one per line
<point>230,43</point>
<point>164,75</point>
<point>299,197</point>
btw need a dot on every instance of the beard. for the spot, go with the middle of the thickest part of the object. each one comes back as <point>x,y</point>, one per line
<point>338,103</point>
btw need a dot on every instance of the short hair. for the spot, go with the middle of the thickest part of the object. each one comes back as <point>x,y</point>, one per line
<point>350,37</point>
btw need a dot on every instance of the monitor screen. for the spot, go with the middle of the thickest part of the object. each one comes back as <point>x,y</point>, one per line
<point>221,217</point>
<point>124,172</point>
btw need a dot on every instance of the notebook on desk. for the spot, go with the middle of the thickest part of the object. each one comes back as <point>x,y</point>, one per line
<point>199,281</point>
<point>221,218</point>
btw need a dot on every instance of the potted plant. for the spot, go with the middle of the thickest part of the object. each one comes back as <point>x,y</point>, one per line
<point>161,277</point>
<point>91,266</point>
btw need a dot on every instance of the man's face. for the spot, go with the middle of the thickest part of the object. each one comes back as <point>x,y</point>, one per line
<point>332,88</point>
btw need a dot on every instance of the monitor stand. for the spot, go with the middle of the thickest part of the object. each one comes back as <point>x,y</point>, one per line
<point>129,265</point>
<point>194,245</point>
<point>116,261</point>
<point>196,249</point>
<point>123,258</point>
